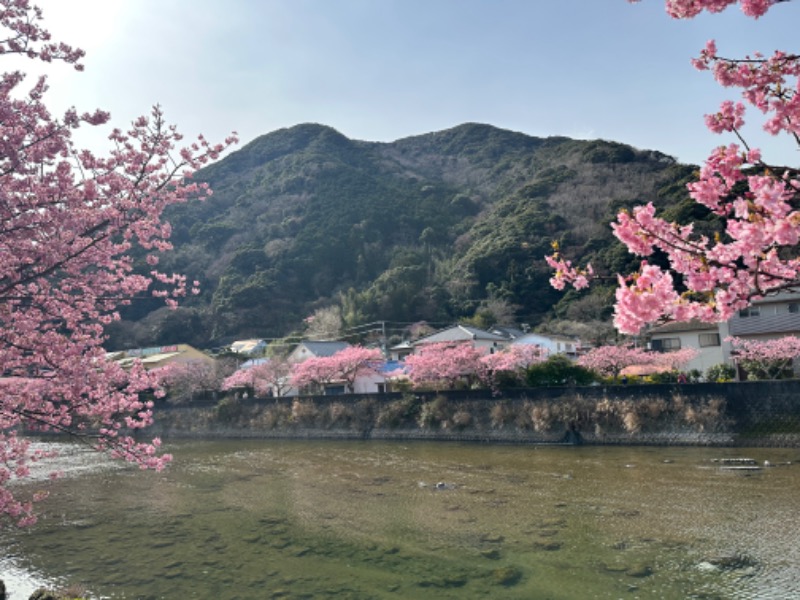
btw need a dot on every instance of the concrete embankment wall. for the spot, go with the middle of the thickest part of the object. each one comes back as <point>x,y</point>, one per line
<point>725,414</point>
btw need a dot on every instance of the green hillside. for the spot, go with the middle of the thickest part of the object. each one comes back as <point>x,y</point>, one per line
<point>439,227</point>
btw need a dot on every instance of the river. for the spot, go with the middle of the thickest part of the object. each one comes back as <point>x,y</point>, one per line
<point>373,520</point>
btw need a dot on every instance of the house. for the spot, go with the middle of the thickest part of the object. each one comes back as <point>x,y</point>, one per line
<point>253,347</point>
<point>553,344</point>
<point>774,316</point>
<point>401,350</point>
<point>707,338</point>
<point>510,333</point>
<point>483,340</point>
<point>369,384</point>
<point>312,349</point>
<point>160,356</point>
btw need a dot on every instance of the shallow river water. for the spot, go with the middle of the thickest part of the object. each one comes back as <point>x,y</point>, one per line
<point>364,520</point>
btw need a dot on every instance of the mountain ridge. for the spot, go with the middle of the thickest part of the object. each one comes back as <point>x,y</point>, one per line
<point>436,226</point>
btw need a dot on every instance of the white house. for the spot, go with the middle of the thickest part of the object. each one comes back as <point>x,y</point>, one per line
<point>775,316</point>
<point>553,344</point>
<point>483,340</point>
<point>312,349</point>
<point>707,338</point>
<point>369,384</point>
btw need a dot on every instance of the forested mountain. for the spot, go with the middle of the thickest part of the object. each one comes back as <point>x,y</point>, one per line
<point>439,227</point>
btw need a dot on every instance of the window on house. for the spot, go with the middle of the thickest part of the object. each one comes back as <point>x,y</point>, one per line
<point>794,307</point>
<point>750,311</point>
<point>666,344</point>
<point>709,339</point>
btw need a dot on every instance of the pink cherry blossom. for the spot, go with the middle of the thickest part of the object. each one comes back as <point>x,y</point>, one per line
<point>756,202</point>
<point>444,365</point>
<point>70,221</point>
<point>512,361</point>
<point>269,377</point>
<point>609,361</point>
<point>766,359</point>
<point>343,367</point>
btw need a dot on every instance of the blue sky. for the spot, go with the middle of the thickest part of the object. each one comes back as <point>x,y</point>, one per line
<point>381,70</point>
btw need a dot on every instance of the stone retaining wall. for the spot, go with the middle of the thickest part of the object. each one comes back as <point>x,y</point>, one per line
<point>731,414</point>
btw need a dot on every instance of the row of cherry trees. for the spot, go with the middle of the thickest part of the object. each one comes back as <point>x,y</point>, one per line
<point>435,366</point>
<point>440,366</point>
<point>760,359</point>
<point>610,361</point>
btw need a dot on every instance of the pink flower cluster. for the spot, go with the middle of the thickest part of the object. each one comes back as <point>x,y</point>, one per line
<point>686,9</point>
<point>344,366</point>
<point>752,254</point>
<point>69,223</point>
<point>609,361</point>
<point>445,365</point>
<point>766,359</point>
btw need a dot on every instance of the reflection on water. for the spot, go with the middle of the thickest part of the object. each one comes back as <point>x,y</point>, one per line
<point>362,520</point>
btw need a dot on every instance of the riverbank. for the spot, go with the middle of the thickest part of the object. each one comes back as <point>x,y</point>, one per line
<point>731,414</point>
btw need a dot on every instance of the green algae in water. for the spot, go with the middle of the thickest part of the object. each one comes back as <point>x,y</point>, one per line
<point>383,520</point>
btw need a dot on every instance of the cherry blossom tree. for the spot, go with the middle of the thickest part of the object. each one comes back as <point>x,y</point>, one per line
<point>183,381</point>
<point>70,221</point>
<point>511,361</point>
<point>344,366</point>
<point>313,374</point>
<point>609,361</point>
<point>269,377</point>
<point>444,364</point>
<point>356,361</point>
<point>754,253</point>
<point>766,359</point>
<point>675,359</point>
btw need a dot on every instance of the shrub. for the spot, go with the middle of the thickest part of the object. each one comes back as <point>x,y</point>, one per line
<point>665,377</point>
<point>433,413</point>
<point>558,370</point>
<point>541,417</point>
<point>304,412</point>
<point>339,413</point>
<point>462,419</point>
<point>720,373</point>
<point>399,412</point>
<point>229,410</point>
<point>501,415</point>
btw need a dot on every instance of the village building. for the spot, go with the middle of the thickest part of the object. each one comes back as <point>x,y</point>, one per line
<point>314,349</point>
<point>160,356</point>
<point>706,338</point>
<point>252,347</point>
<point>552,344</point>
<point>775,316</point>
<point>480,339</point>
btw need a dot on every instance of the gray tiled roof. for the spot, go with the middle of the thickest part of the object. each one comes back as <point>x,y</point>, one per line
<point>325,348</point>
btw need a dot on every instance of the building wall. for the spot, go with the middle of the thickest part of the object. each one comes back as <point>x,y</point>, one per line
<point>552,345</point>
<point>709,356</point>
